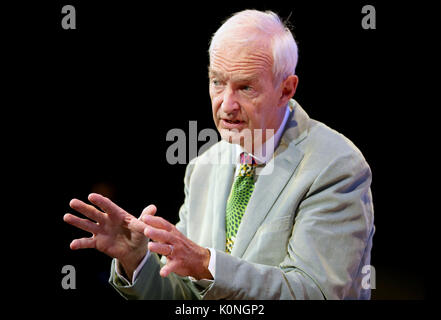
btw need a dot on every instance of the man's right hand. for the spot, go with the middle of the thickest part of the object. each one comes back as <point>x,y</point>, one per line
<point>115,232</point>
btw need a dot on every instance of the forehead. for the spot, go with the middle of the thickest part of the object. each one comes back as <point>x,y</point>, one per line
<point>241,59</point>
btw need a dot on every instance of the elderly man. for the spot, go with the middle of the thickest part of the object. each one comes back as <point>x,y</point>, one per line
<point>300,230</point>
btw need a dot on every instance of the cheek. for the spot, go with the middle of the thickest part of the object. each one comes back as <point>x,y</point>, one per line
<point>215,106</point>
<point>251,114</point>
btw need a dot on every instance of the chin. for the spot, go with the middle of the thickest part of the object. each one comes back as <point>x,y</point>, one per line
<point>239,138</point>
<point>230,136</point>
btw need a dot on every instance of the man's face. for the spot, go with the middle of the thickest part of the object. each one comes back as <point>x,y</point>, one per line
<point>242,91</point>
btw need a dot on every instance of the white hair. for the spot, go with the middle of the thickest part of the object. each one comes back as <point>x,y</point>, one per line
<point>254,22</point>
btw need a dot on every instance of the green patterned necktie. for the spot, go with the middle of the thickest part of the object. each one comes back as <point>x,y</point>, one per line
<point>241,193</point>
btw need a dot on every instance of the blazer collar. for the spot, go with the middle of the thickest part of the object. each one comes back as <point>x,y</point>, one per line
<point>296,129</point>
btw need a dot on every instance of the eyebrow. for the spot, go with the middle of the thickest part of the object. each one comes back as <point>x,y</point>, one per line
<point>214,73</point>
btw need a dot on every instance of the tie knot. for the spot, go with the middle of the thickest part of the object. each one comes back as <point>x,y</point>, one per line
<point>246,158</point>
<point>247,165</point>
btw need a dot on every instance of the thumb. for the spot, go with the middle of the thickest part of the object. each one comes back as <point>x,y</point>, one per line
<point>137,224</point>
<point>149,210</point>
<point>165,271</point>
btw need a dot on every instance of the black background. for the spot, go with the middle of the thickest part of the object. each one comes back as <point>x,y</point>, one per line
<point>110,91</point>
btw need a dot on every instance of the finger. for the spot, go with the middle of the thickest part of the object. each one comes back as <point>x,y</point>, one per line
<point>166,270</point>
<point>158,234</point>
<point>161,248</point>
<point>89,211</point>
<point>83,243</point>
<point>106,204</point>
<point>157,222</point>
<point>83,224</point>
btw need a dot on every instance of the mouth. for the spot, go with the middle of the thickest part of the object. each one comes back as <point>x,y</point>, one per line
<point>232,121</point>
<point>232,124</point>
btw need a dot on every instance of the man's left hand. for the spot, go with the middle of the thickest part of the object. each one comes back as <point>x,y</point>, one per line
<point>184,257</point>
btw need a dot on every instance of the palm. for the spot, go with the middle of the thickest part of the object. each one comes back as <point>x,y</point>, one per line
<point>118,238</point>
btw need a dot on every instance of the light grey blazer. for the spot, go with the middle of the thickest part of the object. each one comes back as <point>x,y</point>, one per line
<point>306,233</point>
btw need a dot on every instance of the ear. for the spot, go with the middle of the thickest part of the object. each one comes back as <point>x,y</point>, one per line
<point>288,88</point>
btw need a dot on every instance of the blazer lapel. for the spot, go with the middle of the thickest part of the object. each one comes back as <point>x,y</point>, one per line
<point>223,183</point>
<point>268,187</point>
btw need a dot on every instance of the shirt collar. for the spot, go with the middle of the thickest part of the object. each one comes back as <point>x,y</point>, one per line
<point>259,157</point>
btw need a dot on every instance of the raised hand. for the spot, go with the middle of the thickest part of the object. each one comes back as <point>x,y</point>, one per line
<point>115,232</point>
<point>184,257</point>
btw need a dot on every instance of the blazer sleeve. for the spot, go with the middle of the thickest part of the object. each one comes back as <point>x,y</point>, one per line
<point>149,285</point>
<point>328,246</point>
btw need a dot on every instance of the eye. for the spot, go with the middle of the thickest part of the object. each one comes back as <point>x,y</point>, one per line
<point>245,88</point>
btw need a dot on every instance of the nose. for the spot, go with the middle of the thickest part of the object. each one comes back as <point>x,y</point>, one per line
<point>229,103</point>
